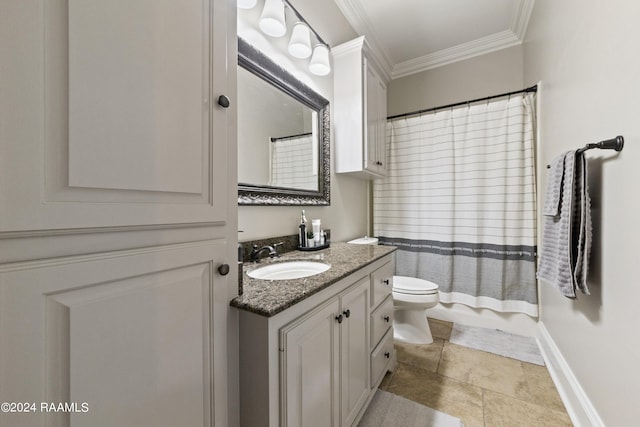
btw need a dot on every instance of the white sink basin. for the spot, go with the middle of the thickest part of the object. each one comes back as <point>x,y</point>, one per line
<point>288,270</point>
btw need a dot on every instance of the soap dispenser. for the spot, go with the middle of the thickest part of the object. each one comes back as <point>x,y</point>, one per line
<point>302,233</point>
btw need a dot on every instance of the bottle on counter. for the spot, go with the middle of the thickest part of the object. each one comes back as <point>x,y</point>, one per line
<point>315,224</point>
<point>302,233</point>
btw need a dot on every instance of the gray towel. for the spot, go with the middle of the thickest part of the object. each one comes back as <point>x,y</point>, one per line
<point>582,226</point>
<point>566,237</point>
<point>554,189</point>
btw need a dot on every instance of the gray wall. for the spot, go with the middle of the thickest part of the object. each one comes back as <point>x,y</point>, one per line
<point>485,75</point>
<point>586,55</point>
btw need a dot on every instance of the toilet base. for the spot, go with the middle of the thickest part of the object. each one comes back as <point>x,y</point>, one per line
<point>411,326</point>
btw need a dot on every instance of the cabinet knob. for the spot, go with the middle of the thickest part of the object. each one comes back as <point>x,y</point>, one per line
<point>223,269</point>
<point>387,354</point>
<point>339,318</point>
<point>347,313</point>
<point>386,319</point>
<point>385,281</point>
<point>223,101</point>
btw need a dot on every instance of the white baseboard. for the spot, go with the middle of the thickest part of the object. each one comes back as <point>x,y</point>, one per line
<point>576,401</point>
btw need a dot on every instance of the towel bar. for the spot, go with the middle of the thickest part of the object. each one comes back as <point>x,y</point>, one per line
<point>616,144</point>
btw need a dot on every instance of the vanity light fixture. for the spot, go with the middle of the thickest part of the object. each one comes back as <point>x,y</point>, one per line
<point>272,20</point>
<point>247,4</point>
<point>319,64</point>
<point>300,43</point>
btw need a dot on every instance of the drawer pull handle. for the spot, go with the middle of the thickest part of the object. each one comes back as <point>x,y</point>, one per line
<point>347,313</point>
<point>387,354</point>
<point>339,318</point>
<point>386,319</point>
<point>385,281</point>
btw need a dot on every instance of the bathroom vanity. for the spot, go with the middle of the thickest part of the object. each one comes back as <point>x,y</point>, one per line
<point>314,350</point>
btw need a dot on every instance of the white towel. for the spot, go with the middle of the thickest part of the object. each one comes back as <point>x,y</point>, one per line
<point>566,237</point>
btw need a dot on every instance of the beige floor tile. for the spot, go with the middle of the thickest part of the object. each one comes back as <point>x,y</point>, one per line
<point>482,369</point>
<point>440,328</point>
<point>480,388</point>
<point>443,394</point>
<point>501,410</point>
<point>541,387</point>
<point>425,356</point>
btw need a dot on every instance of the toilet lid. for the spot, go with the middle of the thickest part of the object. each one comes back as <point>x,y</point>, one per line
<point>414,286</point>
<point>364,241</point>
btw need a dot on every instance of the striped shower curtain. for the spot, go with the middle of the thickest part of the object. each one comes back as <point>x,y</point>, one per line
<point>293,162</point>
<point>459,202</point>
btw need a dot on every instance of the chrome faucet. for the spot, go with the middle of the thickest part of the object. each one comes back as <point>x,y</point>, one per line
<point>256,253</point>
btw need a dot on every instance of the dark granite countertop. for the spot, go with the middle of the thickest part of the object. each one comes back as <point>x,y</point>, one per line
<point>270,297</point>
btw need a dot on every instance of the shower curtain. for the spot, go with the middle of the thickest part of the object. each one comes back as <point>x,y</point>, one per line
<point>293,162</point>
<point>459,202</point>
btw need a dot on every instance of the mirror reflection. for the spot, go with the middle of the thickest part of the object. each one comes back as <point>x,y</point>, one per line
<point>277,136</point>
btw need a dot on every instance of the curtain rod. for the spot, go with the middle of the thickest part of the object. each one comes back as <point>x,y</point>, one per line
<point>290,136</point>
<point>457,104</point>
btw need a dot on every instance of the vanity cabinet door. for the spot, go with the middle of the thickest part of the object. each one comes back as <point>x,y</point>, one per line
<point>354,350</point>
<point>310,368</point>
<point>325,362</point>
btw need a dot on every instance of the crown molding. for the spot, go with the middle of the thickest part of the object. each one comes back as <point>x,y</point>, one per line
<point>457,53</point>
<point>521,17</point>
<point>356,16</point>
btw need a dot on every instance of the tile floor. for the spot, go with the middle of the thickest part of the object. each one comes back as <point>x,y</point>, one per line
<point>480,388</point>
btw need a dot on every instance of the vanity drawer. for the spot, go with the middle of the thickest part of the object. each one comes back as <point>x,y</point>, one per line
<point>381,320</point>
<point>381,283</point>
<point>380,358</point>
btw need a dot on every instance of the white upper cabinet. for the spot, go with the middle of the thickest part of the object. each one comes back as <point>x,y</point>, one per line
<point>124,125</point>
<point>360,111</point>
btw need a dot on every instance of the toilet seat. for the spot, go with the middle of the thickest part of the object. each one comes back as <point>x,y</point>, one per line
<point>412,286</point>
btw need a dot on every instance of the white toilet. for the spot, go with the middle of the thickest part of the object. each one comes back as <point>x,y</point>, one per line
<point>411,299</point>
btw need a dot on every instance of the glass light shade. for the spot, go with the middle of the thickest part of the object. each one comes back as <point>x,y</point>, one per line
<point>319,64</point>
<point>272,20</point>
<point>300,43</point>
<point>247,4</point>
